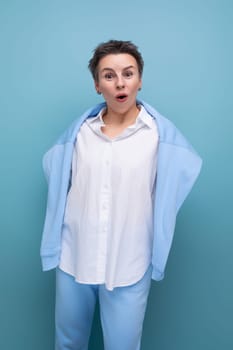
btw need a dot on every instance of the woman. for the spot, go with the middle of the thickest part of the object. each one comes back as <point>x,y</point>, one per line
<point>117,178</point>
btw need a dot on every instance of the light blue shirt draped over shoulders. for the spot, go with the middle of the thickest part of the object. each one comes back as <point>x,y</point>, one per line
<point>178,166</point>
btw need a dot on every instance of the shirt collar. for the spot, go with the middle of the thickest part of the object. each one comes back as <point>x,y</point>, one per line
<point>142,118</point>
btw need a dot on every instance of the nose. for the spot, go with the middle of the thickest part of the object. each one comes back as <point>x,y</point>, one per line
<point>120,83</point>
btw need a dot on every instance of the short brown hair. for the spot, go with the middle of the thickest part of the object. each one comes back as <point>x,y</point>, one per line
<point>114,47</point>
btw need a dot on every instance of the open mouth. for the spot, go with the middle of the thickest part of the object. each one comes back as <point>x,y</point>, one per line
<point>121,98</point>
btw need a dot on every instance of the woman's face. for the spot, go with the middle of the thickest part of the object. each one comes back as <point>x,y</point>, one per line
<point>118,81</point>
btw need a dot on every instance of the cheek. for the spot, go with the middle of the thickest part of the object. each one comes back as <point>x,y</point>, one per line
<point>137,87</point>
<point>107,90</point>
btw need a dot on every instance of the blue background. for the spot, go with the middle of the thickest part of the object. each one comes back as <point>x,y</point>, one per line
<point>45,84</point>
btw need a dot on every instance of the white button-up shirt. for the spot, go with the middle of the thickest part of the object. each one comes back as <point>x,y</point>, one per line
<point>108,225</point>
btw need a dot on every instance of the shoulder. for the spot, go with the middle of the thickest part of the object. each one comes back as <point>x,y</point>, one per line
<point>167,130</point>
<point>69,135</point>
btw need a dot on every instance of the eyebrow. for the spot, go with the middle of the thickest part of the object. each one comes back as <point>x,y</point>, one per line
<point>111,69</point>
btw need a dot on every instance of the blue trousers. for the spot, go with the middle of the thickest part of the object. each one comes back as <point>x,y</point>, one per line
<point>121,312</point>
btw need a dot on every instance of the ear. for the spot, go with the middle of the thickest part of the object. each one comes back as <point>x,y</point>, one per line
<point>140,85</point>
<point>97,87</point>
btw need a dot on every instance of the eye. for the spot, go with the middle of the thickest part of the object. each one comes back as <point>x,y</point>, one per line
<point>128,73</point>
<point>108,76</point>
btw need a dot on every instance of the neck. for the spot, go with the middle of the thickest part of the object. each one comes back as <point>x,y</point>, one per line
<point>112,117</point>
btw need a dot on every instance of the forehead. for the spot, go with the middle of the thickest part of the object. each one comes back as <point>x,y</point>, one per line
<point>117,61</point>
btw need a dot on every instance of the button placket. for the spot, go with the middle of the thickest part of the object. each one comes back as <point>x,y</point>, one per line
<point>105,209</point>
